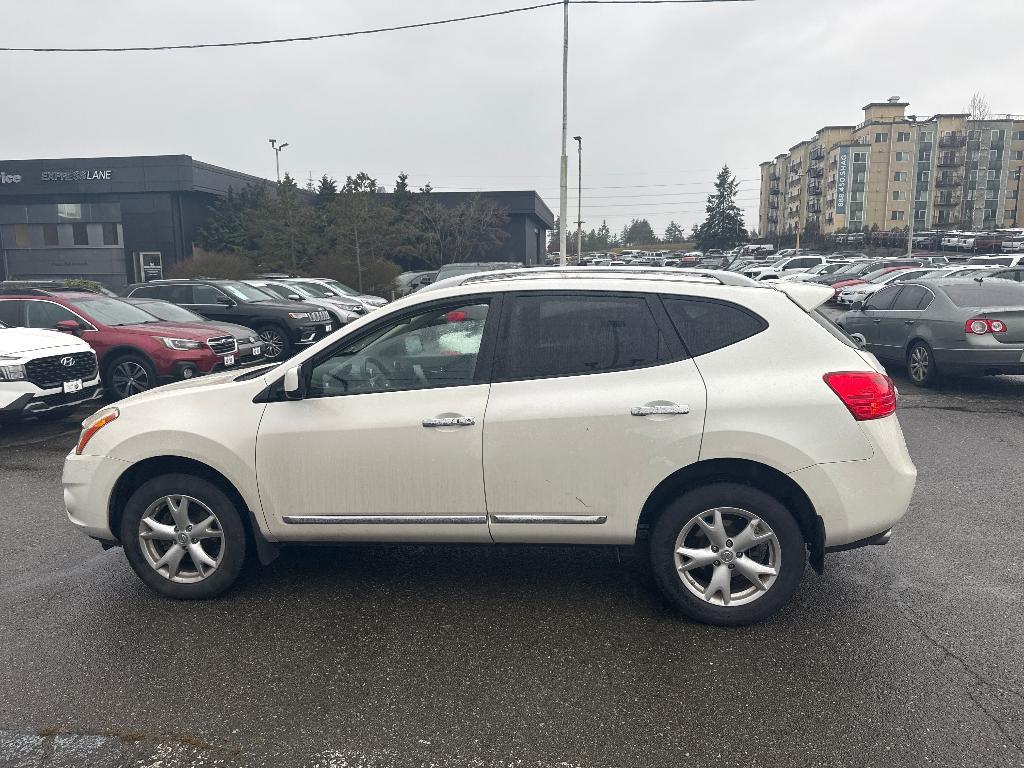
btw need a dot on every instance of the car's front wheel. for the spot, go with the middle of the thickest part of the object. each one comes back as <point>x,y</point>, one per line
<point>129,375</point>
<point>184,537</point>
<point>276,345</point>
<point>727,554</point>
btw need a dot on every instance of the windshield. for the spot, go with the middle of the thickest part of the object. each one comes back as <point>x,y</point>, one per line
<point>245,292</point>
<point>341,288</point>
<point>278,291</point>
<point>878,276</point>
<point>164,310</point>
<point>780,263</point>
<point>315,290</point>
<point>302,289</point>
<point>114,312</point>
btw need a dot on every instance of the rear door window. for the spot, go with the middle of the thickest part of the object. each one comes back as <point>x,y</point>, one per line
<point>549,335</point>
<point>706,325</point>
<point>883,299</point>
<point>912,297</point>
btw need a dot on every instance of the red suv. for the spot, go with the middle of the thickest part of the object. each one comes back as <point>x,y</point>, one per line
<point>136,351</point>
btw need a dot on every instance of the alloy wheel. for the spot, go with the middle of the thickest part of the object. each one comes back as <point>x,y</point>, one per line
<point>130,378</point>
<point>181,539</point>
<point>727,556</point>
<point>274,343</point>
<point>920,363</point>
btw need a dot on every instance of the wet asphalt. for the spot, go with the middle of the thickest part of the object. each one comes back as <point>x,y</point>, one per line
<point>395,656</point>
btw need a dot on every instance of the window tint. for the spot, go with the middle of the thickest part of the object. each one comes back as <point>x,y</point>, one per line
<point>911,297</point>
<point>559,335</point>
<point>205,294</point>
<point>10,313</point>
<point>882,299</point>
<point>707,325</point>
<point>46,314</point>
<point>147,292</point>
<point>436,348</point>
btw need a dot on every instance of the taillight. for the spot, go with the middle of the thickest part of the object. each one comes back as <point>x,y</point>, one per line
<point>868,395</point>
<point>982,325</point>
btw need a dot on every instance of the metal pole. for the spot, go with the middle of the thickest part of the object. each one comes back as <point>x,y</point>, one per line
<point>277,162</point>
<point>563,208</point>
<point>800,214</point>
<point>913,194</point>
<point>579,201</point>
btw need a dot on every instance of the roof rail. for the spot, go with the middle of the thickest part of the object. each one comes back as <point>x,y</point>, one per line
<point>721,277</point>
<point>10,290</point>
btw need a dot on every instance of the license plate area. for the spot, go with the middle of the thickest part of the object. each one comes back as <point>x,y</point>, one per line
<point>75,385</point>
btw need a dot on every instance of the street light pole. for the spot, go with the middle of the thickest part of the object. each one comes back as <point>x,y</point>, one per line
<point>564,175</point>
<point>913,197</point>
<point>579,200</point>
<point>277,156</point>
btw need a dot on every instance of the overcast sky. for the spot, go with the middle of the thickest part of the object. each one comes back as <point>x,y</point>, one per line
<point>662,95</point>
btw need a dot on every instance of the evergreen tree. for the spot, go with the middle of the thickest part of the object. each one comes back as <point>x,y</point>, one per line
<point>604,236</point>
<point>723,228</point>
<point>326,189</point>
<point>674,233</point>
<point>639,232</point>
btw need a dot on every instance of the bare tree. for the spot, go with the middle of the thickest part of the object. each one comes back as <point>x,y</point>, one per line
<point>978,107</point>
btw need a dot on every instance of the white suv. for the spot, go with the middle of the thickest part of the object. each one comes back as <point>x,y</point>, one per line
<point>783,267</point>
<point>725,424</point>
<point>44,373</point>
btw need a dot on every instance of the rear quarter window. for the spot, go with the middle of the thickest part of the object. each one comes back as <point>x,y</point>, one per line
<point>708,324</point>
<point>988,293</point>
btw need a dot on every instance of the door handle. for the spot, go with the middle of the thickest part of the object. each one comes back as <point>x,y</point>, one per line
<point>908,322</point>
<point>451,421</point>
<point>876,320</point>
<point>659,410</point>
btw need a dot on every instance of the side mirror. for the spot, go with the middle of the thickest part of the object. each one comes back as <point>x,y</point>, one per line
<point>858,306</point>
<point>294,297</point>
<point>859,339</point>
<point>227,302</point>
<point>292,384</point>
<point>69,326</point>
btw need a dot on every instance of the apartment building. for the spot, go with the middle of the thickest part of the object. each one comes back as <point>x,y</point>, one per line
<point>946,171</point>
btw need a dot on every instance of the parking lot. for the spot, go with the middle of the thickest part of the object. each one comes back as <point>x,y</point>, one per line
<point>373,656</point>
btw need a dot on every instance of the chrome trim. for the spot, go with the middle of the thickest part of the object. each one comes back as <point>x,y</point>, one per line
<point>659,410</point>
<point>555,519</point>
<point>455,421</point>
<point>385,519</point>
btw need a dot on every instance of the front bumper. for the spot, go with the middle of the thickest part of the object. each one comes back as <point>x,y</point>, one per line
<point>88,483</point>
<point>304,335</point>
<point>46,400</point>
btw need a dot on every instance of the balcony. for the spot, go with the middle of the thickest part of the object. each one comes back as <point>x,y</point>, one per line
<point>774,191</point>
<point>816,173</point>
<point>774,176</point>
<point>773,205</point>
<point>950,159</point>
<point>814,188</point>
<point>946,198</point>
<point>814,207</point>
<point>945,219</point>
<point>818,153</point>
<point>949,180</point>
<point>953,140</point>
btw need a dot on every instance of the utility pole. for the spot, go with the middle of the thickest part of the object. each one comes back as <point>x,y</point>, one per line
<point>579,200</point>
<point>799,213</point>
<point>277,156</point>
<point>564,175</point>
<point>913,192</point>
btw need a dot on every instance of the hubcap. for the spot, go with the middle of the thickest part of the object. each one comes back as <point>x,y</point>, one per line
<point>274,343</point>
<point>181,539</point>
<point>919,363</point>
<point>727,556</point>
<point>130,378</point>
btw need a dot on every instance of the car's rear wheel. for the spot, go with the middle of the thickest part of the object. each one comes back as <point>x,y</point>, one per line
<point>727,554</point>
<point>184,537</point>
<point>276,345</point>
<point>921,365</point>
<point>129,375</point>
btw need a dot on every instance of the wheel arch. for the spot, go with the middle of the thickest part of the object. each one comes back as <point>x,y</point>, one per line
<point>112,354</point>
<point>137,474</point>
<point>748,472</point>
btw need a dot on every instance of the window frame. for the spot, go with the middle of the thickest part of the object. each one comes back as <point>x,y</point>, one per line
<point>708,300</point>
<point>86,325</point>
<point>676,350</point>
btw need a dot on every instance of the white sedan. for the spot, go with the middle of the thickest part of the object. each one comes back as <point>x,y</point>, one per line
<point>861,291</point>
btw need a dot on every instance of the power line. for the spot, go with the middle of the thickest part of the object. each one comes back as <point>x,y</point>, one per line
<point>378,30</point>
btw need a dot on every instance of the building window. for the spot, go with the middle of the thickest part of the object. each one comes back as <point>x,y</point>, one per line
<point>972,175</point>
<point>994,155</point>
<point>860,157</point>
<point>997,134</point>
<point>993,174</point>
<point>69,210</point>
<point>924,176</point>
<point>898,194</point>
<point>974,155</point>
<point>924,136</point>
<point>896,216</point>
<point>924,156</point>
<point>903,136</point>
<point>857,197</point>
<point>922,194</point>
<point>859,178</point>
<point>80,234</point>
<point>1018,136</point>
<point>1018,154</point>
<point>881,137</point>
<point>902,157</point>
<point>970,194</point>
<point>110,234</point>
<point>899,176</point>
<point>21,237</point>
<point>974,135</point>
<point>992,194</point>
<point>50,235</point>
<point>920,214</point>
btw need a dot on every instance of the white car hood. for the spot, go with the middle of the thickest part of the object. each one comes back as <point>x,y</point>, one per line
<point>17,341</point>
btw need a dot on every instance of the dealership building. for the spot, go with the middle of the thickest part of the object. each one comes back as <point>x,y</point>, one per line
<point>119,220</point>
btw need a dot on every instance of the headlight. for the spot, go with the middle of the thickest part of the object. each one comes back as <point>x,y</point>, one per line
<point>180,343</point>
<point>11,372</point>
<point>94,424</point>
<point>298,315</point>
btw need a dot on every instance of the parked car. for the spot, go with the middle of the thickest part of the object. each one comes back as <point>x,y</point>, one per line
<point>782,267</point>
<point>282,325</point>
<point>248,346</point>
<point>958,270</point>
<point>43,373</point>
<point>992,260</point>
<point>342,310</point>
<point>136,351</point>
<point>825,268</point>
<point>380,433</point>
<point>334,289</point>
<point>944,326</point>
<point>860,291</point>
<point>860,268</point>
<point>841,285</point>
<point>1004,273</point>
<point>410,282</point>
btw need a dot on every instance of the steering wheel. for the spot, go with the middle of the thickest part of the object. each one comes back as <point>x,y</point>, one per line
<point>375,374</point>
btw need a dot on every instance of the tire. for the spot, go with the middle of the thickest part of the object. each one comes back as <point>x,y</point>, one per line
<point>182,577</point>
<point>274,338</point>
<point>921,369</point>
<point>776,560</point>
<point>128,375</point>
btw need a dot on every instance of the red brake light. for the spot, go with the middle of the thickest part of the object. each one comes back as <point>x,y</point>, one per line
<point>982,325</point>
<point>868,395</point>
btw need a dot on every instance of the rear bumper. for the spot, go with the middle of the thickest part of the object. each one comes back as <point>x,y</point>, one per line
<point>1004,358</point>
